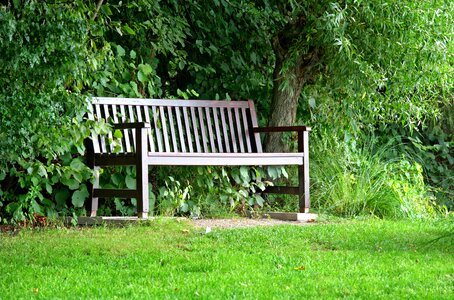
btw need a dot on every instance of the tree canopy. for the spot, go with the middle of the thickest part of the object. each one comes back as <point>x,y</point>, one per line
<point>351,69</point>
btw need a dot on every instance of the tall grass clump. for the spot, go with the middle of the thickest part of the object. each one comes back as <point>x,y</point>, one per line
<point>350,181</point>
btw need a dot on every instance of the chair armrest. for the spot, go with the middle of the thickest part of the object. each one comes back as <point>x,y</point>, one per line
<point>135,125</point>
<point>281,129</point>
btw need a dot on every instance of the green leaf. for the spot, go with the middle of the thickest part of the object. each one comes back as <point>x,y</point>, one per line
<point>72,183</point>
<point>117,178</point>
<point>244,171</point>
<point>130,182</point>
<point>79,196</point>
<point>120,51</point>
<point>273,172</point>
<point>284,172</point>
<point>312,103</point>
<point>2,175</point>
<point>42,171</point>
<point>128,30</point>
<point>146,69</point>
<point>132,54</point>
<point>77,164</point>
<point>61,196</point>
<point>48,188</point>
<point>118,134</point>
<point>141,76</point>
<point>36,207</point>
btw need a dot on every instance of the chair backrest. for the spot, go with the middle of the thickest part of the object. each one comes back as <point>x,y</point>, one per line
<point>199,126</point>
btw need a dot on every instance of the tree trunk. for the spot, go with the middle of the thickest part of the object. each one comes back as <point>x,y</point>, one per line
<point>290,75</point>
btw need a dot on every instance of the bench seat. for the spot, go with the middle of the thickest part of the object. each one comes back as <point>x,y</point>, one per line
<point>204,159</point>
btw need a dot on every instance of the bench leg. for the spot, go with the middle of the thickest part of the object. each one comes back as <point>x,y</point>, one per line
<point>142,192</point>
<point>91,187</point>
<point>303,190</point>
<point>142,174</point>
<point>303,173</point>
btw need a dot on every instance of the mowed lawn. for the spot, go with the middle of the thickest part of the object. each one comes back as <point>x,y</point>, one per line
<point>169,259</point>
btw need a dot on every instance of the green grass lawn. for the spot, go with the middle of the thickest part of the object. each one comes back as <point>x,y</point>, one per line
<point>167,259</point>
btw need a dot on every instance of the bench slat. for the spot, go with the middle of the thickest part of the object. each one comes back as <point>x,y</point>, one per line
<point>246,130</point>
<point>132,119</point>
<point>151,143</point>
<point>224,131</point>
<point>232,130</point>
<point>253,120</point>
<point>239,126</point>
<point>210,129</point>
<point>157,130</point>
<point>106,117</point>
<point>101,138</point>
<point>188,129</point>
<point>168,102</point>
<point>165,133</point>
<point>218,132</point>
<point>125,131</point>
<point>195,129</point>
<point>180,129</point>
<point>173,134</point>
<point>115,119</point>
<point>94,137</point>
<point>203,130</point>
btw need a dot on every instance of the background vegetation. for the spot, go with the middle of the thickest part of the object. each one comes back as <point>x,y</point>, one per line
<point>375,85</point>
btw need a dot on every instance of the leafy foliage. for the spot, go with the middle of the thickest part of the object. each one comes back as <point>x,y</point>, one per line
<point>45,61</point>
<point>373,75</point>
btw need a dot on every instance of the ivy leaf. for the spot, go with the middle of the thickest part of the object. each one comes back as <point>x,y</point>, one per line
<point>78,198</point>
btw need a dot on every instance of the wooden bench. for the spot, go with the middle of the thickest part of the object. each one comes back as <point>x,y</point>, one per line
<point>187,133</point>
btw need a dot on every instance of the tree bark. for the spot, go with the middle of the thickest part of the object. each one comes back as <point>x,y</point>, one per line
<point>296,71</point>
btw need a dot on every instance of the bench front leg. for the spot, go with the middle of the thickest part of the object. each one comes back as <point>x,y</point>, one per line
<point>303,172</point>
<point>142,173</point>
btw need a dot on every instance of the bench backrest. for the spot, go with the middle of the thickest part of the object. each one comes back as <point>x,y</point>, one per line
<point>180,125</point>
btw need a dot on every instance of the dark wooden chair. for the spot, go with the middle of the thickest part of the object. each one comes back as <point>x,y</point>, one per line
<point>187,133</point>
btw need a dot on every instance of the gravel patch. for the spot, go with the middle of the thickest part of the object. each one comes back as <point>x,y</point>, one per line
<point>243,223</point>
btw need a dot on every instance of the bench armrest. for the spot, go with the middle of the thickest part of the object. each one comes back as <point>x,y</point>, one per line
<point>281,129</point>
<point>135,125</point>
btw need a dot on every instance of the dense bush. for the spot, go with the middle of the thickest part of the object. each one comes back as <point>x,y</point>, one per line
<point>45,59</point>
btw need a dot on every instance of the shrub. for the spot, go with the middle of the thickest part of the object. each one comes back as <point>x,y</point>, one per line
<point>350,181</point>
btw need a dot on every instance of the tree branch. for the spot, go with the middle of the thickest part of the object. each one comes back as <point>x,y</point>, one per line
<point>98,7</point>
